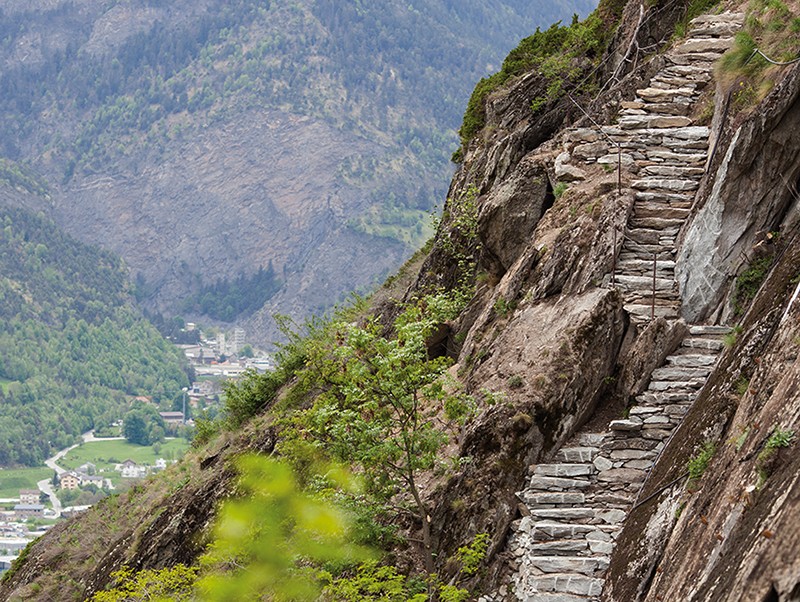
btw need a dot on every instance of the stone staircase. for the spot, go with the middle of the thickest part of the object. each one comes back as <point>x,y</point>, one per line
<point>575,506</point>
<point>577,503</point>
<point>655,132</point>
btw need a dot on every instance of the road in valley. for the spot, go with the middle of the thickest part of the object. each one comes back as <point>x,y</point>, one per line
<point>46,485</point>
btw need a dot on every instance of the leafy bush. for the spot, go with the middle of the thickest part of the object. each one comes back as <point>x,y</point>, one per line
<point>560,53</point>
<point>699,463</point>
<point>749,281</point>
<point>765,461</point>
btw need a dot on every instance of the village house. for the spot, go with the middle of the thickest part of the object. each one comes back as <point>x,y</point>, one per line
<point>172,417</point>
<point>131,470</point>
<point>29,510</point>
<point>29,496</point>
<point>70,480</point>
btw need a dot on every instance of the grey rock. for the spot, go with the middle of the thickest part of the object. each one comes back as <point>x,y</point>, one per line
<point>622,475</point>
<point>576,454</point>
<point>601,463</point>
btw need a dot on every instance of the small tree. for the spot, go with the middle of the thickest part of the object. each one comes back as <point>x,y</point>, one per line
<point>384,405</point>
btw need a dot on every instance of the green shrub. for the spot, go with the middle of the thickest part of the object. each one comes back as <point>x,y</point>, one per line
<point>556,52</point>
<point>699,463</point>
<point>748,283</point>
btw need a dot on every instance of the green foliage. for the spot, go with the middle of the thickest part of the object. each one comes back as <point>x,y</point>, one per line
<point>749,281</point>
<point>561,55</point>
<point>228,300</point>
<point>372,581</point>
<point>503,308</point>
<point>765,461</point>
<point>699,463</point>
<point>266,543</point>
<point>695,9</point>
<point>560,189</point>
<point>779,438</point>
<point>729,340</point>
<point>20,177</point>
<point>250,394</point>
<point>72,347</point>
<point>143,425</point>
<point>171,584</point>
<point>770,27</point>
<point>471,556</point>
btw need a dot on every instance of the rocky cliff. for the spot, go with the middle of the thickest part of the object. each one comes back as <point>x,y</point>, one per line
<point>630,240</point>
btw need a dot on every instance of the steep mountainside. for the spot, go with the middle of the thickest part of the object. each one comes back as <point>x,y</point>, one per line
<point>73,348</point>
<point>620,259</point>
<point>202,140</point>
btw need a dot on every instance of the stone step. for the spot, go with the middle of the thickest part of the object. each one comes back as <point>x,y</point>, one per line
<point>569,515</point>
<point>701,343</point>
<point>701,329</point>
<point>690,72</point>
<point>656,238</point>
<point>676,106</point>
<point>704,46</point>
<point>660,224</point>
<point>726,17</point>
<point>576,454</point>
<point>592,439</point>
<point>644,297</point>
<point>653,121</point>
<point>667,155</point>
<point>705,60</point>
<point>644,283</point>
<point>561,547</point>
<point>557,483</point>
<point>662,200</point>
<point>626,424</point>
<point>549,530</point>
<point>694,360</point>
<point>626,476</point>
<point>568,583</point>
<point>680,373</point>
<point>663,95</point>
<point>666,397</point>
<point>585,565</point>
<point>554,597</point>
<point>644,311</point>
<point>563,470</point>
<point>670,83</point>
<point>665,211</point>
<point>668,184</point>
<point>553,498</point>
<point>666,385</point>
<point>674,171</point>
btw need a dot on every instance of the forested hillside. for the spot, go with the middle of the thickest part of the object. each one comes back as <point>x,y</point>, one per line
<point>72,346</point>
<point>201,140</point>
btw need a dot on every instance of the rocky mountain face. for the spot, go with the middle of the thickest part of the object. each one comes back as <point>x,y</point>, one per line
<point>203,140</point>
<point>632,249</point>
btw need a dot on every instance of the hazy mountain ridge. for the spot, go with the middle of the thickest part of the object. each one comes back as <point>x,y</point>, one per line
<point>313,116</point>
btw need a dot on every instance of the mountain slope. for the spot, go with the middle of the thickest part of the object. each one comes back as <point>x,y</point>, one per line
<point>200,140</point>
<point>585,414</point>
<point>72,346</point>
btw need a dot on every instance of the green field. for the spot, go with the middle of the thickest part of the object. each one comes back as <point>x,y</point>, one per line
<point>4,383</point>
<point>105,454</point>
<point>12,480</point>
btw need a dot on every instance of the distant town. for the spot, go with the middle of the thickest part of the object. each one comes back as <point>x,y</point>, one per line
<point>72,488</point>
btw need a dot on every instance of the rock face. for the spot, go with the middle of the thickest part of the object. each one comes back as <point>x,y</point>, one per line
<point>742,202</point>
